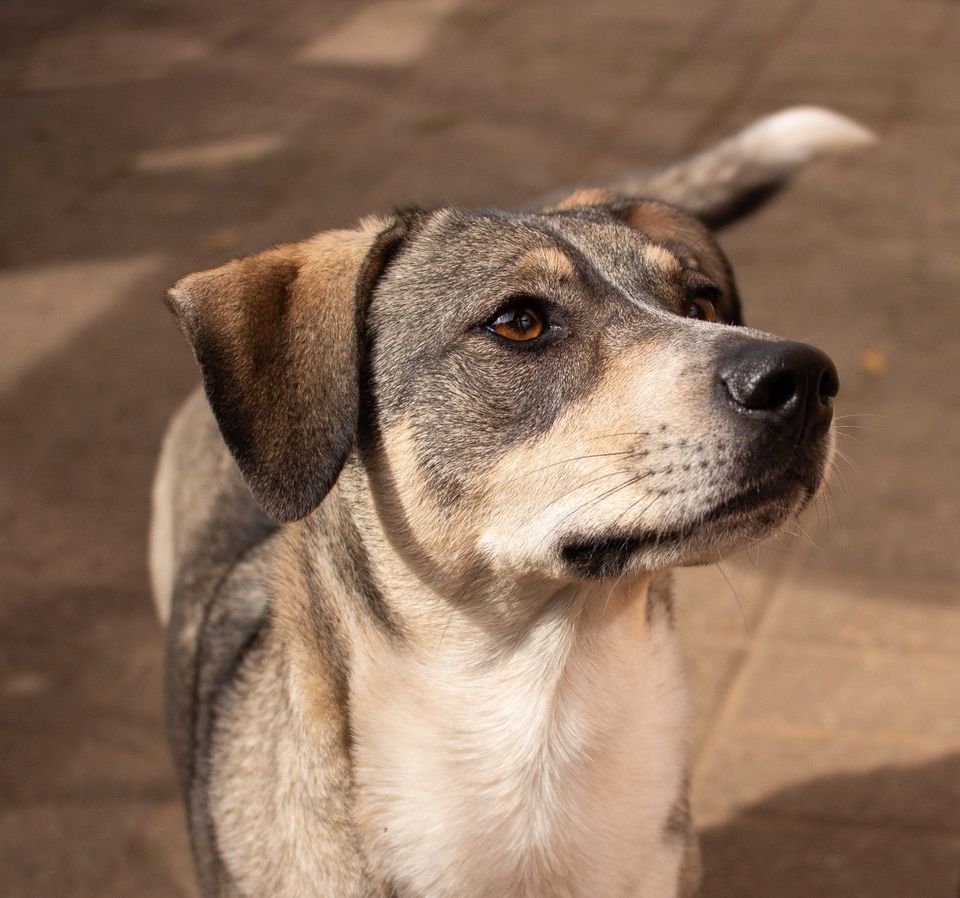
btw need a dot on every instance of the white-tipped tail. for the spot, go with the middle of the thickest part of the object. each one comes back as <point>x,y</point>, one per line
<point>729,180</point>
<point>796,136</point>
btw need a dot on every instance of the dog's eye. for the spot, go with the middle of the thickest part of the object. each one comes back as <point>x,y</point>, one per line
<point>702,307</point>
<point>519,320</point>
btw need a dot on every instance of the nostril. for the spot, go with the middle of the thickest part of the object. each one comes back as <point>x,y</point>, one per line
<point>763,391</point>
<point>777,390</point>
<point>829,386</point>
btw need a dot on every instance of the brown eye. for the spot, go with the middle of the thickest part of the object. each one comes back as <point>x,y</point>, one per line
<point>519,321</point>
<point>702,308</point>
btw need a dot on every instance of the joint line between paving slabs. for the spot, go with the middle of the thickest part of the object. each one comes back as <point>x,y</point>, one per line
<point>743,671</point>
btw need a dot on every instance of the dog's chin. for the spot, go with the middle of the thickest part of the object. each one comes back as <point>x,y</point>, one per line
<point>704,537</point>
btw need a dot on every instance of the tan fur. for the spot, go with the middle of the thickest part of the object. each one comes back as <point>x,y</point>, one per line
<point>591,196</point>
<point>161,546</point>
<point>547,262</point>
<point>291,776</point>
<point>675,230</point>
<point>276,337</point>
<point>663,259</point>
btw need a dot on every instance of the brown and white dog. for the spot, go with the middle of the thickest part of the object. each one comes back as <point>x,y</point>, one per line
<point>413,564</point>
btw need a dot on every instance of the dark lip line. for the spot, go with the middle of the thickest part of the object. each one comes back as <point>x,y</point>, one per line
<point>771,489</point>
<point>747,500</point>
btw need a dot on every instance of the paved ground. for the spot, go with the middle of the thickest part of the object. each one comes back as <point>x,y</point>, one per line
<point>141,140</point>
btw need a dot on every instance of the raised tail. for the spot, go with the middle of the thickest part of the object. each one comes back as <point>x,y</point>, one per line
<point>728,181</point>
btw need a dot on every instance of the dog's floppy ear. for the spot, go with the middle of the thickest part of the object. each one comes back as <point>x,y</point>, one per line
<point>278,337</point>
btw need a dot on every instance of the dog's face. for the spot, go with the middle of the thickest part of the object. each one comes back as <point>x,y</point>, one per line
<point>562,394</point>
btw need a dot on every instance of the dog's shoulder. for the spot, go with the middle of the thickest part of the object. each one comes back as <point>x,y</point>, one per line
<point>205,529</point>
<point>218,562</point>
<point>204,517</point>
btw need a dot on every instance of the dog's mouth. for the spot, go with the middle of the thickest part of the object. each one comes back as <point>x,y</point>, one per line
<point>759,508</point>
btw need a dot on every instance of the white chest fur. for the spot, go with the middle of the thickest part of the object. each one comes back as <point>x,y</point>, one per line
<point>546,770</point>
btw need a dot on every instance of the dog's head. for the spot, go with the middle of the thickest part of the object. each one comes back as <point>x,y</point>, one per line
<point>567,392</point>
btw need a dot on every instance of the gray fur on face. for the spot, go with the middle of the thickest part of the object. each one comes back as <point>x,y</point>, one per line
<point>470,395</point>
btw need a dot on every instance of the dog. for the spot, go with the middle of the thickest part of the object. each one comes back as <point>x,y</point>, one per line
<point>412,542</point>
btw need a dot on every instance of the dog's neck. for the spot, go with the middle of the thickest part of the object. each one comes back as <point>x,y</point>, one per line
<point>508,721</point>
<point>433,608</point>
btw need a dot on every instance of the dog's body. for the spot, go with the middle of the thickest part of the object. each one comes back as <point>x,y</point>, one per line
<point>453,671</point>
<point>464,766</point>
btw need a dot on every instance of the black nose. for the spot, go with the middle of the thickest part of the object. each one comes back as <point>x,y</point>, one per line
<point>789,383</point>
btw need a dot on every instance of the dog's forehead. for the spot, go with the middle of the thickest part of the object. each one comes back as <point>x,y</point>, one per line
<point>624,256</point>
<point>591,245</point>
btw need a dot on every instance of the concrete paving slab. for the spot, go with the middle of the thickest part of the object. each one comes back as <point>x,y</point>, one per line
<point>50,304</point>
<point>394,33</point>
<point>90,57</point>
<point>914,784</point>
<point>63,848</point>
<point>823,689</point>
<point>156,862</point>
<point>909,617</point>
<point>711,669</point>
<point>725,602</point>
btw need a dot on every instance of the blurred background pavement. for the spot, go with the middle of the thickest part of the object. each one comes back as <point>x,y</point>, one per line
<point>142,140</point>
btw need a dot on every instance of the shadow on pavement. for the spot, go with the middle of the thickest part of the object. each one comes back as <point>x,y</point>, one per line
<point>788,846</point>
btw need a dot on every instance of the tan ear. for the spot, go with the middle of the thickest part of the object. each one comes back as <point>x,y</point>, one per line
<point>278,337</point>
